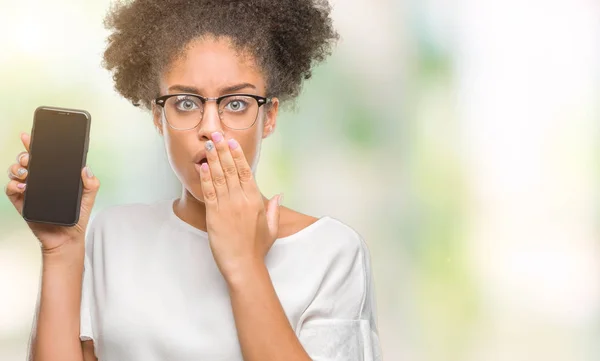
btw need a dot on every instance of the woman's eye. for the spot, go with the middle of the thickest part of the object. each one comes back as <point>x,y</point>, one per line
<point>186,104</point>
<point>236,105</point>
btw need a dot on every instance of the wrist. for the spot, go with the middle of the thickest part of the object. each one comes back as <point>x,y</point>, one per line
<point>67,253</point>
<point>242,272</point>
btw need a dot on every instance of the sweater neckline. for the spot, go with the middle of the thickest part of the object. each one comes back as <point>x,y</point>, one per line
<point>184,225</point>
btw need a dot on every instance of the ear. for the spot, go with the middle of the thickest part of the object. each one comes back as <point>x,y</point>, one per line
<point>157,118</point>
<point>270,118</point>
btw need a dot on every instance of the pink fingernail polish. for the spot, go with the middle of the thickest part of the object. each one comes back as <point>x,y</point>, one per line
<point>204,167</point>
<point>232,143</point>
<point>217,137</point>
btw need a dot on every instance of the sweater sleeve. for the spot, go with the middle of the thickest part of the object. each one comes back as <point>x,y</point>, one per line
<point>341,321</point>
<point>86,328</point>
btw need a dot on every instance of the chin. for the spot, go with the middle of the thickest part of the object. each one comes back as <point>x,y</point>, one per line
<point>190,181</point>
<point>195,192</point>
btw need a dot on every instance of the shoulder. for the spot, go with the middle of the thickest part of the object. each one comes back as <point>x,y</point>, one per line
<point>128,216</point>
<point>339,258</point>
<point>334,234</point>
<point>326,240</point>
<point>347,246</point>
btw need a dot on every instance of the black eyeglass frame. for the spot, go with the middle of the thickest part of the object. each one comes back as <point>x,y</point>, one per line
<point>162,100</point>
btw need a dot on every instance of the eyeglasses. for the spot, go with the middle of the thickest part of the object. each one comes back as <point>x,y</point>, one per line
<point>236,111</point>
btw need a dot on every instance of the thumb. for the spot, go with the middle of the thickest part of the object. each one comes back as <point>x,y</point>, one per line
<point>273,214</point>
<point>91,184</point>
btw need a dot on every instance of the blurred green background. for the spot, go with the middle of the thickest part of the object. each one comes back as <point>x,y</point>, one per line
<point>458,138</point>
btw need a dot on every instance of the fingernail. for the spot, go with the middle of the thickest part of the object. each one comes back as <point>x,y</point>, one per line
<point>217,137</point>
<point>21,156</point>
<point>280,199</point>
<point>232,143</point>
<point>21,185</point>
<point>204,167</point>
<point>21,171</point>
<point>88,172</point>
<point>209,145</point>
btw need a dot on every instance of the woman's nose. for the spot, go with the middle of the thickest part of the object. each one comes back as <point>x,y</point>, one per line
<point>211,121</point>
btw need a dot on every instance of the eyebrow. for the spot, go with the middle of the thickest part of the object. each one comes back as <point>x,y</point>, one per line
<point>224,90</point>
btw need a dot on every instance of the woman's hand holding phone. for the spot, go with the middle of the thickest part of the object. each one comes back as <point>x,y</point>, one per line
<point>53,238</point>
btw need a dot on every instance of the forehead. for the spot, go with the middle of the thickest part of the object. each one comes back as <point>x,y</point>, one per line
<point>210,64</point>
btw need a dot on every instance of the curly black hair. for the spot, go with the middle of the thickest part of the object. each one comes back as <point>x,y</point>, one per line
<point>286,37</point>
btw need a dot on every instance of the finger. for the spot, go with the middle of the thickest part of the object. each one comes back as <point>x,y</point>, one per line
<point>273,212</point>
<point>227,164</point>
<point>26,139</point>
<point>216,172</point>
<point>23,159</point>
<point>14,190</point>
<point>208,189</point>
<point>91,185</point>
<point>16,172</point>
<point>243,168</point>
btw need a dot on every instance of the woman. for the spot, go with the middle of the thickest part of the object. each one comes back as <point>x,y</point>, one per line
<point>222,272</point>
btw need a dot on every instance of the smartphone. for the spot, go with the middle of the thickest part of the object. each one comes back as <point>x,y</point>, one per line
<point>57,154</point>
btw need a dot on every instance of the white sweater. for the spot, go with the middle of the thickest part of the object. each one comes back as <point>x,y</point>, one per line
<point>152,290</point>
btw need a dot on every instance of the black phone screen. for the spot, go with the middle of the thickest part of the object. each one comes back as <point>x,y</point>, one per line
<point>57,155</point>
